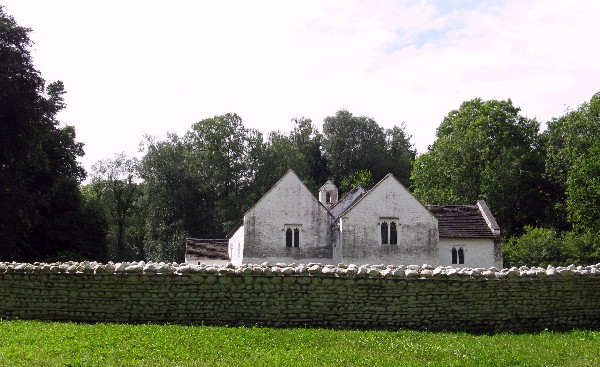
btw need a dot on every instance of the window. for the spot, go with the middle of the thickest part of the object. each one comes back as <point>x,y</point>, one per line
<point>384,233</point>
<point>288,237</point>
<point>458,255</point>
<point>328,197</point>
<point>389,232</point>
<point>292,236</point>
<point>297,237</point>
<point>393,234</point>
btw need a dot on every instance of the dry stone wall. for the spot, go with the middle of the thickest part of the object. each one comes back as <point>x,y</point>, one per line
<point>316,295</point>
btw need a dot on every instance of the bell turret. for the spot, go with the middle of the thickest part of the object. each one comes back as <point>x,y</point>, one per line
<point>328,194</point>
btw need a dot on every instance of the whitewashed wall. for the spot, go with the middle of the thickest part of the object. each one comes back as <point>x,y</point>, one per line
<point>236,247</point>
<point>417,228</point>
<point>289,202</point>
<point>479,252</point>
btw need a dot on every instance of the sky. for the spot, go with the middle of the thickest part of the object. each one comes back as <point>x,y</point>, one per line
<point>134,68</point>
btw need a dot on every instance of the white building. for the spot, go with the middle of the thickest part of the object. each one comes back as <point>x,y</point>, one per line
<point>385,225</point>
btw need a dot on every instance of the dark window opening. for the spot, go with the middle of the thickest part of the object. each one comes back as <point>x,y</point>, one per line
<point>384,233</point>
<point>393,234</point>
<point>328,197</point>
<point>296,237</point>
<point>458,256</point>
<point>288,237</point>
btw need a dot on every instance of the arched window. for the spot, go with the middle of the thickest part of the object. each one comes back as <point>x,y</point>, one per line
<point>292,235</point>
<point>288,237</point>
<point>296,237</point>
<point>393,234</point>
<point>458,255</point>
<point>384,233</point>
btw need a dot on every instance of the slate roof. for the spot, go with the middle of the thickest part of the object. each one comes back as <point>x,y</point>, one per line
<point>209,249</point>
<point>347,201</point>
<point>461,221</point>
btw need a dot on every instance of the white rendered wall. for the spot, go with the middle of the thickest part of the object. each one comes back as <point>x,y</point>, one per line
<point>417,228</point>
<point>479,252</point>
<point>288,203</point>
<point>236,247</point>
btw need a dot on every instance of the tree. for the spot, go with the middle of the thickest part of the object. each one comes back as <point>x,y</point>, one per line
<point>309,141</point>
<point>171,199</point>
<point>299,150</point>
<point>583,192</point>
<point>568,139</point>
<point>401,153</point>
<point>279,155</point>
<point>39,173</point>
<point>363,178</point>
<point>114,185</point>
<point>353,143</point>
<point>198,185</point>
<point>485,150</point>
<point>225,155</point>
<point>538,247</point>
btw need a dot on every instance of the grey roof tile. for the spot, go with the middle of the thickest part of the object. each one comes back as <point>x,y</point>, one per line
<point>211,249</point>
<point>461,221</point>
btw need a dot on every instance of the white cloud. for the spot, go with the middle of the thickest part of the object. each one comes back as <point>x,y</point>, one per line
<point>136,67</point>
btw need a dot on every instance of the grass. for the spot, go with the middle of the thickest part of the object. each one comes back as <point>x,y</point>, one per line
<point>35,343</point>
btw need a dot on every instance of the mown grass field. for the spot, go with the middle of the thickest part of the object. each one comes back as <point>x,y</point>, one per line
<point>34,343</point>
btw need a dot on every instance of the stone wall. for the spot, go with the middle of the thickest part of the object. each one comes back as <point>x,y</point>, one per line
<point>391,202</point>
<point>477,252</point>
<point>288,204</point>
<point>415,297</point>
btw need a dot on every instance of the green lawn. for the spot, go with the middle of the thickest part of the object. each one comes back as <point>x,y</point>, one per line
<point>34,343</point>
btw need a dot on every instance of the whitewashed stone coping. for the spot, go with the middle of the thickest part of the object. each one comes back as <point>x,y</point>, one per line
<point>312,269</point>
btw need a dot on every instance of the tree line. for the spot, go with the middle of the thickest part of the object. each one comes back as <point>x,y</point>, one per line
<point>541,186</point>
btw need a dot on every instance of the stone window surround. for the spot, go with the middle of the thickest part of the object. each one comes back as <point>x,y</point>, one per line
<point>389,221</point>
<point>295,230</point>
<point>458,254</point>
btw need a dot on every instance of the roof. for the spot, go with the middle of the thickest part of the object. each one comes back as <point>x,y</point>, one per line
<point>461,221</point>
<point>237,226</point>
<point>362,196</point>
<point>328,186</point>
<point>340,207</point>
<point>293,174</point>
<point>210,249</point>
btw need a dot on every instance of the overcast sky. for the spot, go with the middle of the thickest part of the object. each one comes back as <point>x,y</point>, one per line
<point>148,67</point>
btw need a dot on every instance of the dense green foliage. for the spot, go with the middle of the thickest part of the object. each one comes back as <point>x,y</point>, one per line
<point>570,139</point>
<point>355,143</point>
<point>40,204</point>
<point>539,247</point>
<point>543,188</point>
<point>571,192</point>
<point>538,185</point>
<point>32,343</point>
<point>485,150</point>
<point>583,191</point>
<point>114,187</point>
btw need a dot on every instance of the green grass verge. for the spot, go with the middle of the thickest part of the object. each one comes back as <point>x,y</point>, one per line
<point>35,343</point>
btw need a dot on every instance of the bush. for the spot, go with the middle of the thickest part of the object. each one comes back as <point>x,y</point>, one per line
<point>542,246</point>
<point>536,247</point>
